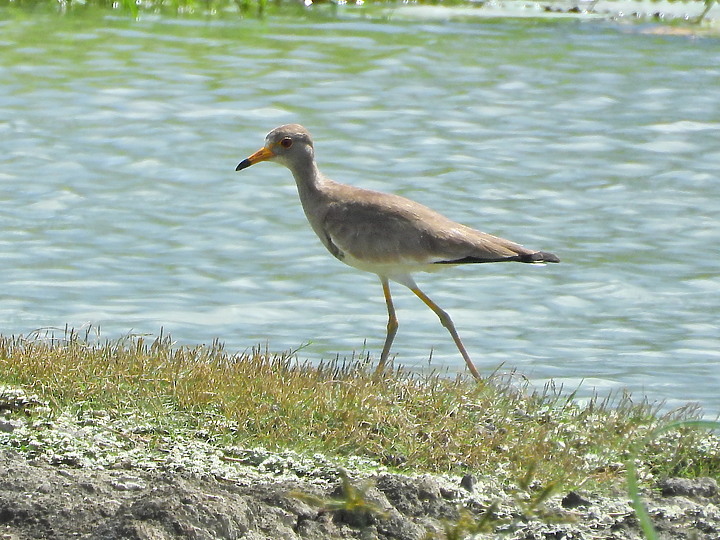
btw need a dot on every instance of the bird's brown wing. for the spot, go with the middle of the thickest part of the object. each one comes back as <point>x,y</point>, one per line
<point>383,228</point>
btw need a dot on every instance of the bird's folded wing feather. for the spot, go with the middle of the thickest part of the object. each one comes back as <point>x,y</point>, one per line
<point>383,228</point>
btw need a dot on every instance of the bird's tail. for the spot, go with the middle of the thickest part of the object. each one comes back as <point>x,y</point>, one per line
<point>540,257</point>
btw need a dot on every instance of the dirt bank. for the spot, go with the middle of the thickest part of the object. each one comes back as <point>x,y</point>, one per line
<point>57,501</point>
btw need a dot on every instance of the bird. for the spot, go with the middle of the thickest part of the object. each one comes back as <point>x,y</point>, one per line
<point>382,233</point>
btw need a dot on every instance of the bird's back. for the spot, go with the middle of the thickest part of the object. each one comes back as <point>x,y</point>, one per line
<point>381,228</point>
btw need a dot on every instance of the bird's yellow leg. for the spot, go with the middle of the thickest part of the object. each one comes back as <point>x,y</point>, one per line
<point>447,323</point>
<point>392,326</point>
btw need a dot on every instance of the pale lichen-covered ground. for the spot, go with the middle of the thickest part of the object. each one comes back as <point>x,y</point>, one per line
<point>81,476</point>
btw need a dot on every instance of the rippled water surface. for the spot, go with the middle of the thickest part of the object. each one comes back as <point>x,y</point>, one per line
<point>120,206</point>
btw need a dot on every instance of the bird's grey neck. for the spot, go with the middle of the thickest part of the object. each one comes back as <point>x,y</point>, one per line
<point>312,187</point>
<point>308,178</point>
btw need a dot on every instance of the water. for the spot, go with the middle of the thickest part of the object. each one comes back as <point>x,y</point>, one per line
<point>120,207</point>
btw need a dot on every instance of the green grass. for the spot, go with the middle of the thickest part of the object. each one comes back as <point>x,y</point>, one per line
<point>632,478</point>
<point>542,440</point>
<point>249,7</point>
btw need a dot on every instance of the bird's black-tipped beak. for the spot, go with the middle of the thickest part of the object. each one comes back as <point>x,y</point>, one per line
<point>261,155</point>
<point>244,164</point>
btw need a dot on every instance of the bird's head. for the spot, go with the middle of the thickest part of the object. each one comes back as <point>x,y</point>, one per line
<point>288,145</point>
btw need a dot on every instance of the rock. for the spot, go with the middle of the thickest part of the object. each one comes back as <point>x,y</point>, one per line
<point>417,496</point>
<point>467,482</point>
<point>687,487</point>
<point>8,426</point>
<point>574,500</point>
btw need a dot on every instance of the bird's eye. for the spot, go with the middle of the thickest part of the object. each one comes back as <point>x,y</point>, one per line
<point>286,142</point>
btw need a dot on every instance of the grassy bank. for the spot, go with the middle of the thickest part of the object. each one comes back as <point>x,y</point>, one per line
<point>403,421</point>
<point>259,7</point>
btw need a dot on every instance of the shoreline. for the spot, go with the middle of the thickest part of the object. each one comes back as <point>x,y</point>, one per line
<point>696,17</point>
<point>85,476</point>
<point>140,439</point>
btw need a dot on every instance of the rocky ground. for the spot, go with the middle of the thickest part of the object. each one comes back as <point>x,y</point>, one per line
<point>56,501</point>
<point>89,475</point>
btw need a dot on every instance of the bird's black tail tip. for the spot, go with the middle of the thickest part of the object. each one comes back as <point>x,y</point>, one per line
<point>541,257</point>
